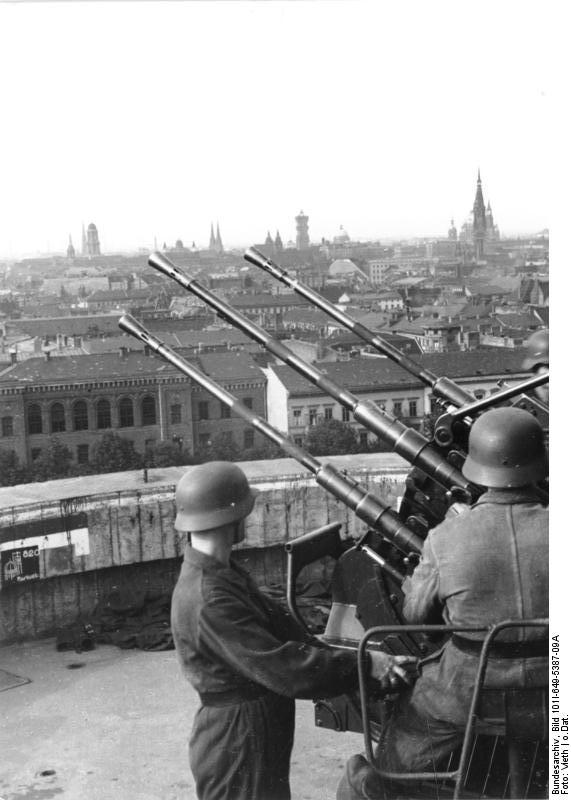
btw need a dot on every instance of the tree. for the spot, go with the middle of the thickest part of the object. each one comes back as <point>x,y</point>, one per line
<point>53,462</point>
<point>10,471</point>
<point>115,454</point>
<point>263,452</point>
<point>166,454</point>
<point>331,437</point>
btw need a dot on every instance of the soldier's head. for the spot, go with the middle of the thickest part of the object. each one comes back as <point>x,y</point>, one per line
<point>537,359</point>
<point>506,450</point>
<point>212,498</point>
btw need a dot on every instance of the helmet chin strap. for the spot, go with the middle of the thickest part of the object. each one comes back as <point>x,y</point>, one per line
<point>239,532</point>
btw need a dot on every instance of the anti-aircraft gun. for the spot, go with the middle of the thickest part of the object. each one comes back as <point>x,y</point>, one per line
<point>435,482</point>
<point>368,574</point>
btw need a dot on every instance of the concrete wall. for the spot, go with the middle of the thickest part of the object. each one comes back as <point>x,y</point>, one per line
<point>83,545</point>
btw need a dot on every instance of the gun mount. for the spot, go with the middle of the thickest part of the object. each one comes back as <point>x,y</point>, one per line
<point>407,442</point>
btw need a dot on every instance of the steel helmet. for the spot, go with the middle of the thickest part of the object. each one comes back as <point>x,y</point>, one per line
<point>506,449</point>
<point>537,347</point>
<point>212,494</point>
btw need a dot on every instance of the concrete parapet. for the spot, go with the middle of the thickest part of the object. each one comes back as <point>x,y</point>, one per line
<point>63,542</point>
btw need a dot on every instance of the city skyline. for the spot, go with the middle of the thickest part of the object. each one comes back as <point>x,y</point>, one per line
<point>371,117</point>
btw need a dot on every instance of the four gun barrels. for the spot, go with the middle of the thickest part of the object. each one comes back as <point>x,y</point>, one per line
<point>366,505</point>
<point>407,442</point>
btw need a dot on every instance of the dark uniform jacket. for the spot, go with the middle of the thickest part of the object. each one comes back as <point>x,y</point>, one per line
<point>231,639</point>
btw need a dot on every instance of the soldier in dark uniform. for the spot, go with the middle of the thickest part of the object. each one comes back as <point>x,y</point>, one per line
<point>479,568</point>
<point>245,656</point>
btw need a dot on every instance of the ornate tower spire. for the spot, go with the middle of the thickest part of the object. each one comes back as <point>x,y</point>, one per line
<point>70,248</point>
<point>479,229</point>
<point>83,241</point>
<point>278,244</point>
<point>219,247</point>
<point>212,245</point>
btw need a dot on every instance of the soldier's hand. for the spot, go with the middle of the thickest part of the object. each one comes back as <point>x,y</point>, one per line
<point>392,672</point>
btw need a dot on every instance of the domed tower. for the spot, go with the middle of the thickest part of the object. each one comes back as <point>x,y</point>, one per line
<point>93,248</point>
<point>479,229</point>
<point>70,249</point>
<point>452,232</point>
<point>302,231</point>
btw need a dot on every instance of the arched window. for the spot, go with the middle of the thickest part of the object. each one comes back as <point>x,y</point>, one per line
<point>103,414</point>
<point>80,416</point>
<point>57,418</point>
<point>34,418</point>
<point>149,413</point>
<point>126,416</point>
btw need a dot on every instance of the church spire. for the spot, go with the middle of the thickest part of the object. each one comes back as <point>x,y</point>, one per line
<point>212,245</point>
<point>219,247</point>
<point>479,229</point>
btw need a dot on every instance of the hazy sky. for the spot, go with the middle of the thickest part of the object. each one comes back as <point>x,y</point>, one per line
<point>155,119</point>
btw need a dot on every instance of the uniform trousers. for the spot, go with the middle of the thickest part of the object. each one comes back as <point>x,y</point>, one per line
<point>242,751</point>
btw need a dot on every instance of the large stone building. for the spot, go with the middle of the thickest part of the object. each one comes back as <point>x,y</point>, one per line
<point>134,394</point>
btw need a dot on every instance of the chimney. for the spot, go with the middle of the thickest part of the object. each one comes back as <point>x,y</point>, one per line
<point>13,356</point>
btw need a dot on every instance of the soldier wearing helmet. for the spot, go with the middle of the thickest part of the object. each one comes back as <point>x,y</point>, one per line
<point>245,656</point>
<point>479,568</point>
<point>537,359</point>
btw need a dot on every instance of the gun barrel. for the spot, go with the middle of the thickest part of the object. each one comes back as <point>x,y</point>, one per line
<point>366,505</point>
<point>405,441</point>
<point>442,387</point>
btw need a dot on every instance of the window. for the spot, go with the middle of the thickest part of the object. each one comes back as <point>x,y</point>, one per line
<point>227,437</point>
<point>224,411</point>
<point>298,440</point>
<point>397,408</point>
<point>434,405</point>
<point>203,410</point>
<point>57,418</point>
<point>312,416</point>
<point>328,412</point>
<point>204,439</point>
<point>103,414</point>
<point>83,454</point>
<point>126,415</point>
<point>176,414</point>
<point>363,437</point>
<point>36,453</point>
<point>248,439</point>
<point>296,416</point>
<point>412,408</point>
<point>34,418</point>
<point>7,426</point>
<point>148,411</point>
<point>345,414</point>
<point>80,417</point>
<point>381,404</point>
<point>248,402</point>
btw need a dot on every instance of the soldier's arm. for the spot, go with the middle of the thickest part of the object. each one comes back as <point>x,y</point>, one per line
<point>422,604</point>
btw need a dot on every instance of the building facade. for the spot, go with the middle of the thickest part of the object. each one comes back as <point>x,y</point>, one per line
<point>133,394</point>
